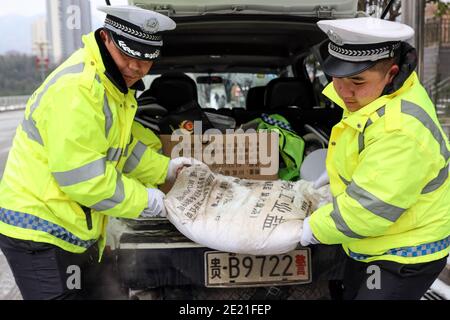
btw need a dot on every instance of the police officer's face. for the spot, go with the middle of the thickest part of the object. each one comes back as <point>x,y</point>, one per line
<point>360,90</point>
<point>131,69</point>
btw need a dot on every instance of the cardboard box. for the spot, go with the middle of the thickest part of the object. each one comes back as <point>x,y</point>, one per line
<point>243,155</point>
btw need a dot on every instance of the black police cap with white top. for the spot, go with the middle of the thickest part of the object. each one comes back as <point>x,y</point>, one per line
<point>357,44</point>
<point>136,31</point>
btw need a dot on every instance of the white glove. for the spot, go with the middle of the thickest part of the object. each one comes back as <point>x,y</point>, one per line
<point>178,163</point>
<point>317,197</point>
<point>307,235</point>
<point>156,206</point>
<point>322,180</point>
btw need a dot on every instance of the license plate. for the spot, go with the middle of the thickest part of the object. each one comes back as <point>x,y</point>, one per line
<point>224,269</point>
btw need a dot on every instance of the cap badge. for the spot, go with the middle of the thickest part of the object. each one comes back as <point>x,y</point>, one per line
<point>335,37</point>
<point>151,25</point>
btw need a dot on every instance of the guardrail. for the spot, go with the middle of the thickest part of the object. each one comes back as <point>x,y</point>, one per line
<point>441,97</point>
<point>439,90</point>
<point>445,31</point>
<point>13,103</point>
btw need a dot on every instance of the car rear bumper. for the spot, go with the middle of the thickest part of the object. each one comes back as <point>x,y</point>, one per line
<point>155,255</point>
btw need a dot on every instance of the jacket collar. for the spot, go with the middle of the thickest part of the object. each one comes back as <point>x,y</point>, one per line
<point>111,70</point>
<point>358,119</point>
<point>106,66</point>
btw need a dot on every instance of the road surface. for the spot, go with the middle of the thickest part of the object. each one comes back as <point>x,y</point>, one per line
<point>8,124</point>
<point>8,290</point>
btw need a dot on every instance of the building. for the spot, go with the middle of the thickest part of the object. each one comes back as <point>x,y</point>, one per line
<point>40,44</point>
<point>67,20</point>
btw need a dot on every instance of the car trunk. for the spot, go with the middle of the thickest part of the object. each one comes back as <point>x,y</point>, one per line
<point>256,35</point>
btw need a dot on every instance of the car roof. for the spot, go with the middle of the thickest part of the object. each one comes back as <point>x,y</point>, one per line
<point>261,37</point>
<point>304,8</point>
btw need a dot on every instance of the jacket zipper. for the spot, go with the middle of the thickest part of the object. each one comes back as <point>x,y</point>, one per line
<point>87,212</point>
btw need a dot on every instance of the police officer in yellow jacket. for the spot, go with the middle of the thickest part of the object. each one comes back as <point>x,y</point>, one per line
<point>388,165</point>
<point>78,157</point>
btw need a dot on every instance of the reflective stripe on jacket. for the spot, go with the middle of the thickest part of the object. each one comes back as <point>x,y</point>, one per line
<point>64,173</point>
<point>388,165</point>
<point>144,160</point>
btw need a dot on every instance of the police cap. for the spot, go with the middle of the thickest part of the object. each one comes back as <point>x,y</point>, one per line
<point>357,44</point>
<point>136,31</point>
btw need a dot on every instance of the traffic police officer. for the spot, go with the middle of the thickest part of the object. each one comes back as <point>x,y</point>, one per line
<point>388,165</point>
<point>78,157</point>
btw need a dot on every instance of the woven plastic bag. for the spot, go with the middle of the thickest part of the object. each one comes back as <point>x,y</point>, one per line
<point>238,215</point>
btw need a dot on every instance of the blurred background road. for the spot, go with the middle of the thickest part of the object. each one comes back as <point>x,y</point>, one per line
<point>8,123</point>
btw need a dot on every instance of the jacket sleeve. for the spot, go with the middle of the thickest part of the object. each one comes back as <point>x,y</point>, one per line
<point>143,160</point>
<point>73,131</point>
<point>389,178</point>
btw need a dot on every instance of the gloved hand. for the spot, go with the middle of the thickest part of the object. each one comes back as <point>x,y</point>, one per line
<point>307,235</point>
<point>156,206</point>
<point>176,164</point>
<point>317,197</point>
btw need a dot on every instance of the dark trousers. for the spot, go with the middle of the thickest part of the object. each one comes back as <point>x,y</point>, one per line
<point>44,271</point>
<point>387,280</point>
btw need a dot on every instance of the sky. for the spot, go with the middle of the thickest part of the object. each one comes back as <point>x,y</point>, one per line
<point>22,7</point>
<point>37,7</point>
<point>18,15</point>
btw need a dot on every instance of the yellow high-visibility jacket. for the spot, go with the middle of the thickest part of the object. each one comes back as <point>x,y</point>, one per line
<point>74,160</point>
<point>388,165</point>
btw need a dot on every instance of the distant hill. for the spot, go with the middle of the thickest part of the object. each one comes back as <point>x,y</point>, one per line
<point>16,33</point>
<point>18,75</point>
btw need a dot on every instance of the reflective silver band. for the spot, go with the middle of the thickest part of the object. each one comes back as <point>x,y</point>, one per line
<point>125,154</point>
<point>89,171</point>
<point>360,142</point>
<point>108,116</point>
<point>437,182</point>
<point>340,223</point>
<point>135,156</point>
<point>31,130</point>
<point>420,114</point>
<point>114,154</point>
<point>77,68</point>
<point>369,122</point>
<point>118,197</point>
<point>373,204</point>
<point>29,125</point>
<point>381,111</point>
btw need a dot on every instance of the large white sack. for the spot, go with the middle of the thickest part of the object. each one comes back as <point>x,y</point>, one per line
<point>239,215</point>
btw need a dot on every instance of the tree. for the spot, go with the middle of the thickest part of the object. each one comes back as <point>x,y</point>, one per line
<point>442,7</point>
<point>375,7</point>
<point>19,75</point>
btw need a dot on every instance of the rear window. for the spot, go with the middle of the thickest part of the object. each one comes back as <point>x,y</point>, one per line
<point>318,79</point>
<point>225,90</point>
